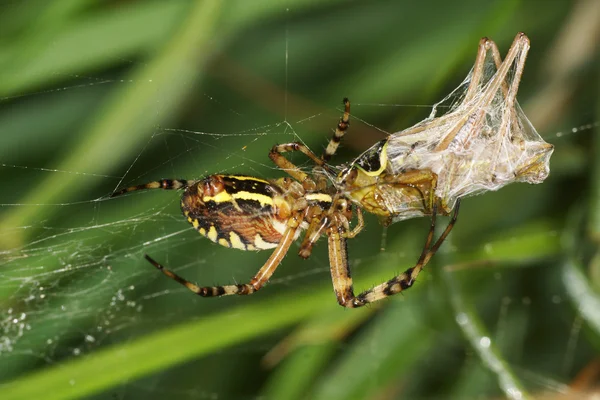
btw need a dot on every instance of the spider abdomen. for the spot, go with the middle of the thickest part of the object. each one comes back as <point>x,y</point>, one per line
<point>240,212</point>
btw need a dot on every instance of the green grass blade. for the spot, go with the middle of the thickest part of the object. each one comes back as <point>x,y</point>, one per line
<point>127,361</point>
<point>172,346</point>
<point>583,296</point>
<point>98,40</point>
<point>478,337</point>
<point>125,121</point>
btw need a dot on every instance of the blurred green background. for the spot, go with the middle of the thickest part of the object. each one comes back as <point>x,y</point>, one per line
<point>95,95</point>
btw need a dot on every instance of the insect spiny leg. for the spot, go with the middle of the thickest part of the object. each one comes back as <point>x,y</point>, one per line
<point>430,234</point>
<point>444,234</point>
<point>340,130</point>
<point>165,184</point>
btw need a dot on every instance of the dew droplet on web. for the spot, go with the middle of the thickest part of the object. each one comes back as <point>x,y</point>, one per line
<point>556,299</point>
<point>462,318</point>
<point>514,393</point>
<point>485,342</point>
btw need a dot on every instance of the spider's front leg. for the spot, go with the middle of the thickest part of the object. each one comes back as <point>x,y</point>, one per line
<point>339,133</point>
<point>276,155</point>
<point>340,271</point>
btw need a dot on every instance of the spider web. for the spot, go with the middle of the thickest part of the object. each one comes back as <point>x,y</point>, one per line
<point>74,282</point>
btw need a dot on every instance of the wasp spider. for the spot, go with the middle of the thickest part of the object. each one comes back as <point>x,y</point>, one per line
<point>482,143</point>
<point>249,213</point>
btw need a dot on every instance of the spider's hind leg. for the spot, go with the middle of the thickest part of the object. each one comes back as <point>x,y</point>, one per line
<point>207,291</point>
<point>258,281</point>
<point>165,184</point>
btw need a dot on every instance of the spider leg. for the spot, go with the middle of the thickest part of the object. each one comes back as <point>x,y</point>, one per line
<point>321,222</point>
<point>320,179</point>
<point>340,130</point>
<point>279,149</point>
<point>315,230</point>
<point>258,281</point>
<point>276,155</point>
<point>340,272</point>
<point>165,184</point>
<point>319,175</point>
<point>360,224</point>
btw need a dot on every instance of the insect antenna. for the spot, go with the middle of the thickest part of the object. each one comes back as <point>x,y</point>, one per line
<point>165,184</point>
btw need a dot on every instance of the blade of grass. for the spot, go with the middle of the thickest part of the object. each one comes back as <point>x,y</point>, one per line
<point>385,349</point>
<point>474,379</point>
<point>94,42</point>
<point>115,365</point>
<point>594,207</point>
<point>577,284</point>
<point>127,361</point>
<point>125,121</point>
<point>311,346</point>
<point>476,334</point>
<point>585,299</point>
<point>293,378</point>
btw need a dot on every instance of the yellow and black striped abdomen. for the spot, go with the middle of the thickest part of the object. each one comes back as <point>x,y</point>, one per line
<point>234,211</point>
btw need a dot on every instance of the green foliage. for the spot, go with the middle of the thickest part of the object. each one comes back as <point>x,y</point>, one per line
<point>96,95</point>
